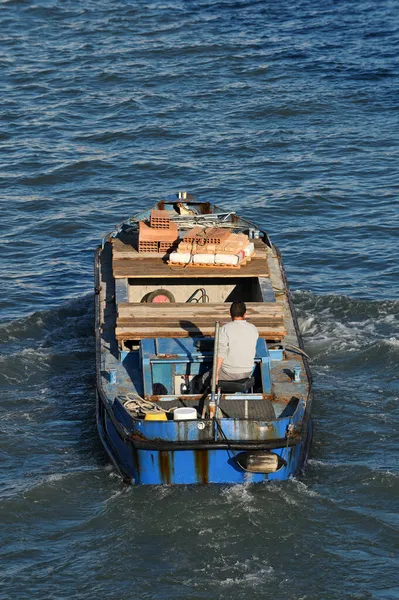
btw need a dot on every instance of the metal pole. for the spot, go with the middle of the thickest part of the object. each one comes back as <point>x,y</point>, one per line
<point>215,361</point>
<point>211,405</point>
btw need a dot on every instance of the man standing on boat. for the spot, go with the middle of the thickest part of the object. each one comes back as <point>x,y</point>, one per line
<point>237,346</point>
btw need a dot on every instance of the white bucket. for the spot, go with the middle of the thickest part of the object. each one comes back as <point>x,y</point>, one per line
<point>184,413</point>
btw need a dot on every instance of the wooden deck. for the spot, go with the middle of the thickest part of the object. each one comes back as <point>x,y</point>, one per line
<point>155,268</point>
<point>128,263</point>
<point>139,320</point>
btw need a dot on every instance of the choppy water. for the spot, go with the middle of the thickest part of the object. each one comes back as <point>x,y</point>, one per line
<point>286,111</point>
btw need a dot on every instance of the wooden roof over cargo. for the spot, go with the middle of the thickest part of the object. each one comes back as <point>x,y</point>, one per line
<point>155,246</point>
<point>128,262</point>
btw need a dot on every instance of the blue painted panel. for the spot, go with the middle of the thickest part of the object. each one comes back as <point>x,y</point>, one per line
<point>188,466</point>
<point>182,359</point>
<point>242,429</point>
<point>300,411</point>
<point>266,374</point>
<point>123,354</point>
<point>276,353</point>
<point>206,466</point>
<point>131,363</point>
<point>157,354</point>
<point>262,355</point>
<point>234,429</point>
<point>147,348</point>
<point>174,430</point>
<point>261,348</point>
<point>148,467</point>
<point>121,414</point>
<point>192,368</point>
<point>162,378</point>
<point>191,348</point>
<point>122,450</point>
<point>186,347</point>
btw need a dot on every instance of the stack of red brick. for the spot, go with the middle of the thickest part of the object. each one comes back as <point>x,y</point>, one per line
<point>212,241</point>
<point>160,236</point>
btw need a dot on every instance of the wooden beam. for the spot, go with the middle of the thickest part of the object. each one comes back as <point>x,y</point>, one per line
<point>153,267</point>
<point>220,309</point>
<point>137,333</point>
<point>140,320</point>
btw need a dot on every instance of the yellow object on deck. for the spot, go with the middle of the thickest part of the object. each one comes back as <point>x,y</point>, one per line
<point>155,416</point>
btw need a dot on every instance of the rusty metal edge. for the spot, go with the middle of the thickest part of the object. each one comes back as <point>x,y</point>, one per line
<point>212,445</point>
<point>294,316</point>
<point>101,397</point>
<point>307,420</point>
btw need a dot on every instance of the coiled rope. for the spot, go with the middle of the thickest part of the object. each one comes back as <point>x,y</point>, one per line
<point>138,405</point>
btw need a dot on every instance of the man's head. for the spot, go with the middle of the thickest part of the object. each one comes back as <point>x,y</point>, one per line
<point>238,310</point>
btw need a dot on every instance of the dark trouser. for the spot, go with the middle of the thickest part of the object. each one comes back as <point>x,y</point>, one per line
<point>224,376</point>
<point>202,382</point>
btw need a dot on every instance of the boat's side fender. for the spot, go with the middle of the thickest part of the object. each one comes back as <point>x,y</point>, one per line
<point>262,354</point>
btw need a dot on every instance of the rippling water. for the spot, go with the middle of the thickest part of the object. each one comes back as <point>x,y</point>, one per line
<point>286,112</point>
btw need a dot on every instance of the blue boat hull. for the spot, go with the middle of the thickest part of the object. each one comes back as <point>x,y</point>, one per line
<point>186,466</point>
<point>148,356</point>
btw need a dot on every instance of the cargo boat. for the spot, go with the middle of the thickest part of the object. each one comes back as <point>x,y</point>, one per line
<point>164,282</point>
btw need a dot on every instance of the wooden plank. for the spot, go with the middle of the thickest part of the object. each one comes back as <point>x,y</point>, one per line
<point>137,333</point>
<point>160,319</point>
<point>126,319</point>
<point>137,320</point>
<point>208,306</point>
<point>194,321</point>
<point>196,309</point>
<point>260,244</point>
<point>153,267</point>
<point>206,322</point>
<point>126,248</point>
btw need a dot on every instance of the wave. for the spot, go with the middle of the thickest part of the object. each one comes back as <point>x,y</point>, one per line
<point>334,325</point>
<point>51,341</point>
<point>63,173</point>
<point>70,319</point>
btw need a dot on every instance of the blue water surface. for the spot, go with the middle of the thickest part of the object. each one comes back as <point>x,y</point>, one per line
<point>286,112</point>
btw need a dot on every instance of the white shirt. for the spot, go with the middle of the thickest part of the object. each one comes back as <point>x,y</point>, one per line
<point>237,346</point>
